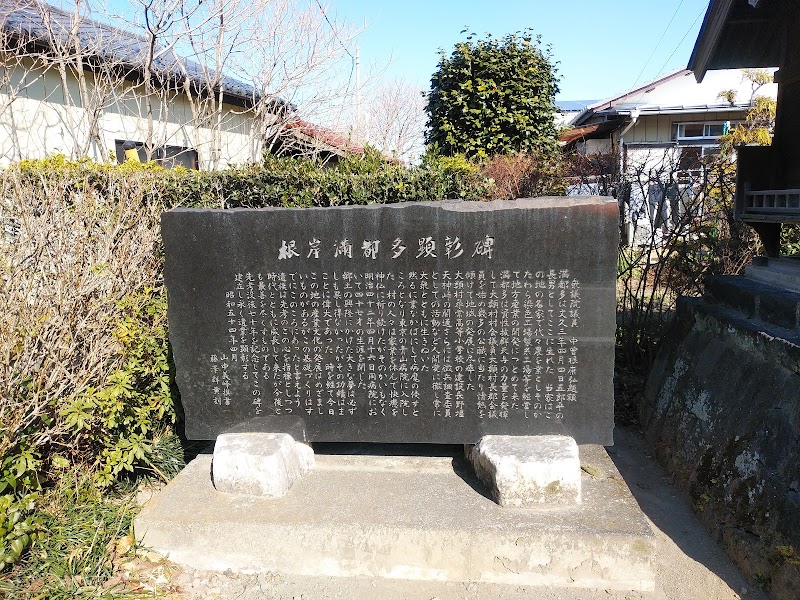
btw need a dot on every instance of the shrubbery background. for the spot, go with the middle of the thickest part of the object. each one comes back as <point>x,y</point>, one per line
<point>86,378</point>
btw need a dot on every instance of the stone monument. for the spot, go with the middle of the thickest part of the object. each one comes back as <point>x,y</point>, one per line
<point>488,325</point>
<point>434,322</point>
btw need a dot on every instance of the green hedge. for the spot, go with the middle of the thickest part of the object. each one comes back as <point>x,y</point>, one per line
<point>85,372</point>
<point>284,181</point>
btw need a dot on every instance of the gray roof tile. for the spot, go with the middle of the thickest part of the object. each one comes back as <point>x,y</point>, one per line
<point>47,26</point>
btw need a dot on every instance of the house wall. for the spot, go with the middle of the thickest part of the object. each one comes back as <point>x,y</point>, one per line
<point>39,116</point>
<point>658,128</point>
<point>602,146</point>
<point>650,128</point>
<point>651,162</point>
<point>647,170</point>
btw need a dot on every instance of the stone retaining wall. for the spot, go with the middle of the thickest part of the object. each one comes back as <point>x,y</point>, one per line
<point>722,409</point>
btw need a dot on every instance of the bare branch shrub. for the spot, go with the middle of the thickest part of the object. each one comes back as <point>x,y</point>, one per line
<point>591,173</point>
<point>523,175</point>
<point>68,253</point>
<point>681,229</point>
<point>84,363</point>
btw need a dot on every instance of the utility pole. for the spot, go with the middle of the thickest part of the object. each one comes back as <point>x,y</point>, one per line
<point>358,94</point>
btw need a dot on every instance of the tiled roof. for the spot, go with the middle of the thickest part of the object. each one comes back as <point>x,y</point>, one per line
<point>47,26</point>
<point>587,132</point>
<point>578,133</point>
<point>325,136</point>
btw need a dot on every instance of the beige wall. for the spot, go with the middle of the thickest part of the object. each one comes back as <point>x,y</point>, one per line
<point>602,146</point>
<point>658,128</point>
<point>38,117</point>
<point>651,163</point>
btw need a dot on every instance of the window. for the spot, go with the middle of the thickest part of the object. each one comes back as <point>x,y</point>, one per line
<point>690,130</point>
<point>696,131</point>
<point>693,157</point>
<point>168,157</point>
<point>174,156</point>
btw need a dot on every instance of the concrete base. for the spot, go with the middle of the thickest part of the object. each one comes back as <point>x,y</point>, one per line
<point>414,518</point>
<point>529,471</point>
<point>764,305</point>
<point>259,464</point>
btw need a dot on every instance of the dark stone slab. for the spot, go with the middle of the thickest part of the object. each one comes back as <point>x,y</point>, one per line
<point>418,322</point>
<point>780,309</point>
<point>734,291</point>
<point>755,300</point>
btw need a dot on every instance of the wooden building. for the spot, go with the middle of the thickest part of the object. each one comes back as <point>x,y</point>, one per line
<point>761,33</point>
<point>83,88</point>
<point>656,138</point>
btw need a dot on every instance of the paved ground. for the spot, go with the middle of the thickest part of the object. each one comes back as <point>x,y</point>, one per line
<point>689,565</point>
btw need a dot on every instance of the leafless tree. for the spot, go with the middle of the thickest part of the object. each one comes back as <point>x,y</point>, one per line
<point>305,57</point>
<point>395,119</point>
<point>278,59</point>
<point>30,52</point>
<point>17,72</point>
<point>681,229</point>
<point>75,58</point>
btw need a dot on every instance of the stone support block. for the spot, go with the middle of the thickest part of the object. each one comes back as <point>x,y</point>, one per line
<point>529,471</point>
<point>259,464</point>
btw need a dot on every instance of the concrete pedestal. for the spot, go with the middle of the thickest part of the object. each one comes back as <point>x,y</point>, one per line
<point>415,518</point>
<point>529,471</point>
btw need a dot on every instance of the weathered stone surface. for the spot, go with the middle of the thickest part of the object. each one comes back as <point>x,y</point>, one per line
<point>433,322</point>
<point>529,471</point>
<point>259,464</point>
<point>782,273</point>
<point>409,518</point>
<point>757,300</point>
<point>721,409</point>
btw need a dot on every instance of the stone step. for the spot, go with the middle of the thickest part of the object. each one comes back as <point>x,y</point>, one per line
<point>417,518</point>
<point>756,300</point>
<point>783,272</point>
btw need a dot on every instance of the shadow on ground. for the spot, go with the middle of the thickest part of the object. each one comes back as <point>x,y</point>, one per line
<point>676,527</point>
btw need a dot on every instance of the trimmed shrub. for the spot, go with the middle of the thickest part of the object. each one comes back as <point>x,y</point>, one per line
<point>85,374</point>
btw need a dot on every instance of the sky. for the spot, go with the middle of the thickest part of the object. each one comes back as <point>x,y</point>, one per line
<point>602,48</point>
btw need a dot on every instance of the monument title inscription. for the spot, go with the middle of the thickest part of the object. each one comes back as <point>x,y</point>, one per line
<point>418,322</point>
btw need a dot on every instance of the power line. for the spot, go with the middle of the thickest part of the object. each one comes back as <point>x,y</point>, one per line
<point>658,43</point>
<point>336,33</point>
<point>669,58</point>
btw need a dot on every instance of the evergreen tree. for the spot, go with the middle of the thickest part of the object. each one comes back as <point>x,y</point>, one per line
<point>493,96</point>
